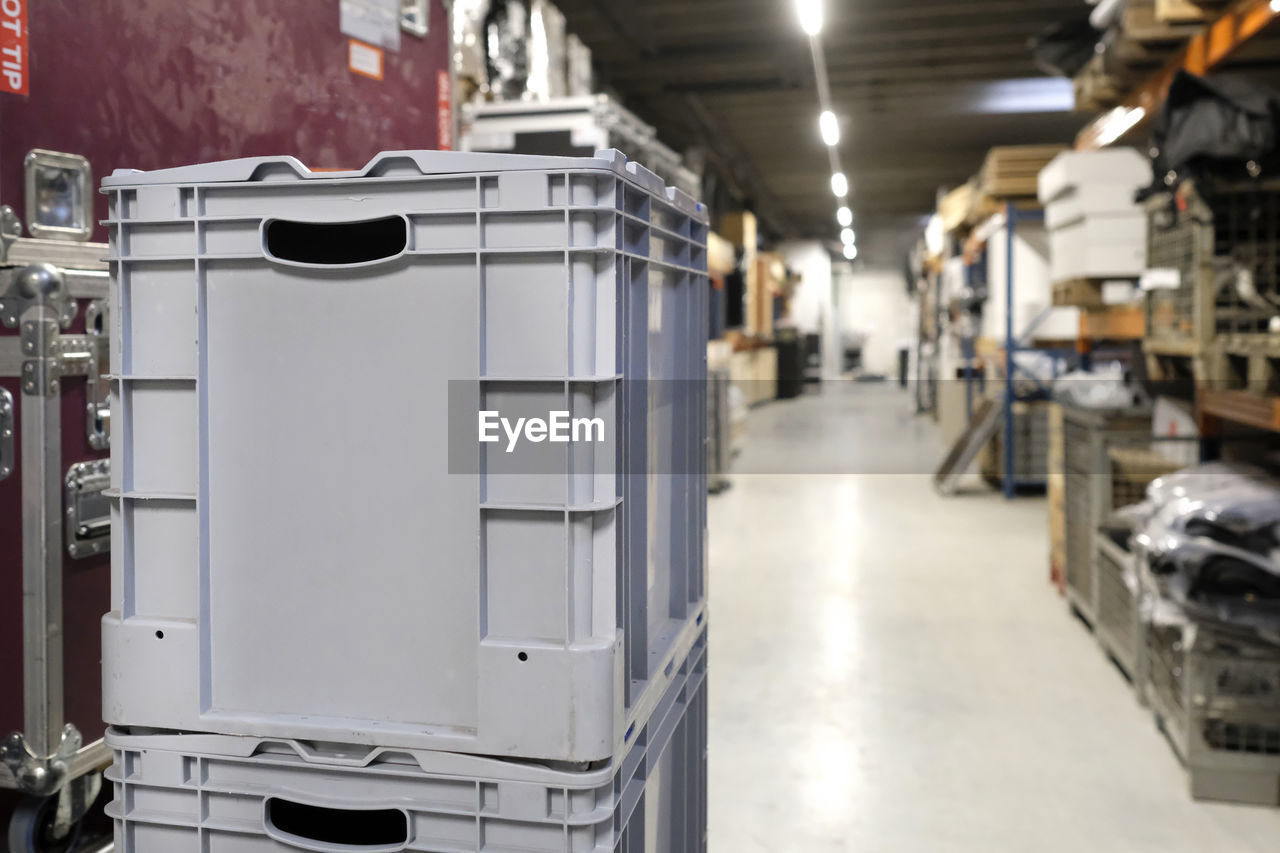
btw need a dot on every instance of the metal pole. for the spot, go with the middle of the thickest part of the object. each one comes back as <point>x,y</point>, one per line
<point>1011,218</point>
<point>41,536</point>
<point>967,354</point>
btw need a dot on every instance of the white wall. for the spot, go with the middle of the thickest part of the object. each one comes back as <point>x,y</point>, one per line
<point>875,302</point>
<point>812,304</point>
<point>1032,292</point>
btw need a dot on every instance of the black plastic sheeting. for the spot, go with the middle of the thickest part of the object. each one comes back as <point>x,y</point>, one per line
<point>1063,49</point>
<point>1218,126</point>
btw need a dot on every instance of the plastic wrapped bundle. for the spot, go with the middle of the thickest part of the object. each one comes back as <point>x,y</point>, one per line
<point>1208,538</point>
<point>580,81</point>
<point>506,30</point>
<point>547,52</point>
<point>468,47</point>
<point>1104,387</point>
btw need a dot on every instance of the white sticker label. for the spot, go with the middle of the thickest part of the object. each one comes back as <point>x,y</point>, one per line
<point>1161,279</point>
<point>376,22</point>
<point>365,59</point>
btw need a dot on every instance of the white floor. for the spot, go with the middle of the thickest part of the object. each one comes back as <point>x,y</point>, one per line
<point>891,670</point>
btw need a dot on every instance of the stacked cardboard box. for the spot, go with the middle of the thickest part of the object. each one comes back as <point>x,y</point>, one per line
<point>1096,231</point>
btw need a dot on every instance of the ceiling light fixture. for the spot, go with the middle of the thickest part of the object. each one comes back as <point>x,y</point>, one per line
<point>847,236</point>
<point>850,251</point>
<point>840,185</point>
<point>830,127</point>
<point>810,12</point>
<point>845,217</point>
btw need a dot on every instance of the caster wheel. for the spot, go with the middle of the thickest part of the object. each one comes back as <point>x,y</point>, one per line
<point>31,828</point>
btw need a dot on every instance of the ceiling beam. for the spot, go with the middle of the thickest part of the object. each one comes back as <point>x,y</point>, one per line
<point>766,204</point>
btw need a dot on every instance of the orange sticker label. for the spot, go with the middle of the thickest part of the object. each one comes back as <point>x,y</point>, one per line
<point>15,55</point>
<point>363,59</point>
<point>444,110</point>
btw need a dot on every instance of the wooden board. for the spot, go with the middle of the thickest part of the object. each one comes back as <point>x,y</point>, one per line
<point>1079,293</point>
<point>1239,407</point>
<point>953,207</point>
<point>1141,24</point>
<point>1057,492</point>
<point>739,228</point>
<point>1140,464</point>
<point>1014,171</point>
<point>1096,89</point>
<point>1114,323</point>
<point>1187,11</point>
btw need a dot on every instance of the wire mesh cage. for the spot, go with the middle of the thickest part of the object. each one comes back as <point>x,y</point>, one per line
<point>1223,241</point>
<point>1217,697</point>
<point>1088,434</point>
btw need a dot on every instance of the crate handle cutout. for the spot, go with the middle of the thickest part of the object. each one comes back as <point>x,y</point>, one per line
<point>324,828</point>
<point>335,244</point>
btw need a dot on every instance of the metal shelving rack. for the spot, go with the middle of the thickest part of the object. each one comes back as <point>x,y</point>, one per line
<point>1012,345</point>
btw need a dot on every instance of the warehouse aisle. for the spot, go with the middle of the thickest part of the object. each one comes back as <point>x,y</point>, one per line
<point>892,672</point>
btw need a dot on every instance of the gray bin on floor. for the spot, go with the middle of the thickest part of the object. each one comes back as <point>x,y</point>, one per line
<point>213,793</point>
<point>1086,436</point>
<point>315,543</point>
<point>1118,622</point>
<point>1216,696</point>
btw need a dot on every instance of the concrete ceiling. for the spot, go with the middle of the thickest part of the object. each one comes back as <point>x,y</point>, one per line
<point>734,78</point>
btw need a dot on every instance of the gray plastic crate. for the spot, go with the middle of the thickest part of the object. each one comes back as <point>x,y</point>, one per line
<point>215,793</point>
<point>310,551</point>
<point>1217,699</point>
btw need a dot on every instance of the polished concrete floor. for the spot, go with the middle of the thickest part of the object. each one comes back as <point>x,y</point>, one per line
<point>891,671</point>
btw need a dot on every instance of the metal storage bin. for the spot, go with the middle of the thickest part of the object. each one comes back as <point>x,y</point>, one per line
<point>307,553</point>
<point>1118,622</point>
<point>1201,232</point>
<point>1109,458</point>
<point>202,793</point>
<point>1086,435</point>
<point>1030,443</point>
<point>1217,698</point>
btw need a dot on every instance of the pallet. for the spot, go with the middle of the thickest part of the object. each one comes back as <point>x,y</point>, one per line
<point>1098,89</point>
<point>1141,24</point>
<point>1085,293</point>
<point>1014,171</point>
<point>1187,11</point>
<point>954,206</point>
<point>1247,363</point>
<point>1179,360</point>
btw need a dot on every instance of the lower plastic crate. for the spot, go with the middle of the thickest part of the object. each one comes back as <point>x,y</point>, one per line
<point>1217,699</point>
<point>228,794</point>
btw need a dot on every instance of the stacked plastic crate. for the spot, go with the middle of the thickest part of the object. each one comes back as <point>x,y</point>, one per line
<point>341,618</point>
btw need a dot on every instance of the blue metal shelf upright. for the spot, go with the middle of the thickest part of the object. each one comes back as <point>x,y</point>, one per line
<point>1012,345</point>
